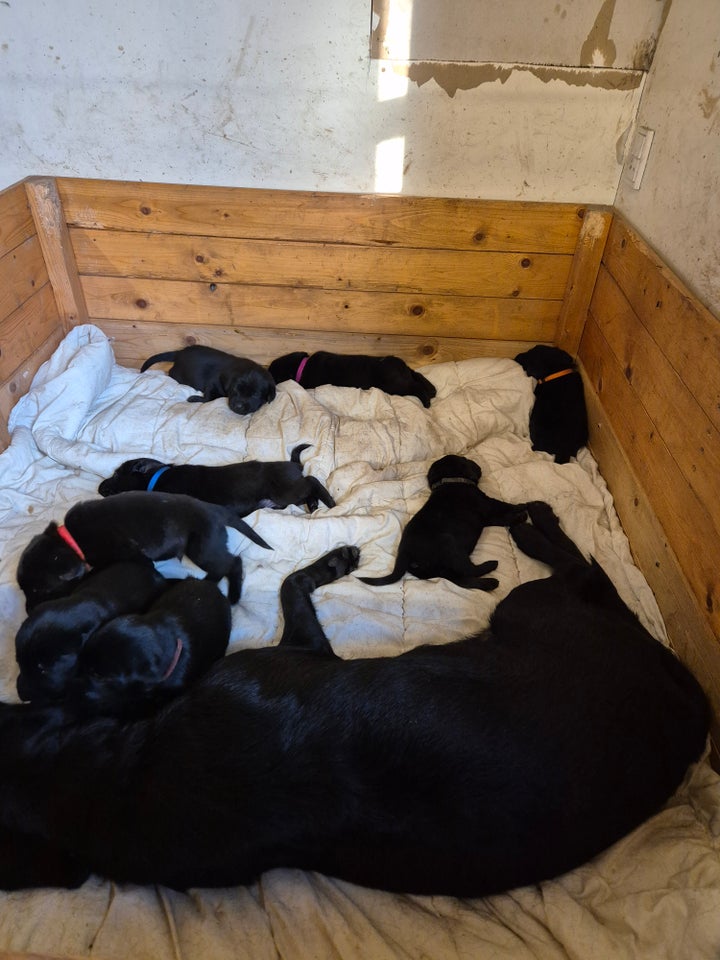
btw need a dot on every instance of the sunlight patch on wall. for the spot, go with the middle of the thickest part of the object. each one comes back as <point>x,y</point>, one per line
<point>398,28</point>
<point>389,162</point>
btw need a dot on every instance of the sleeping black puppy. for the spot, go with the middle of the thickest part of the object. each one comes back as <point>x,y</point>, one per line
<point>390,374</point>
<point>215,373</point>
<point>463,769</point>
<point>243,486</point>
<point>130,526</point>
<point>49,640</point>
<point>558,421</point>
<point>135,659</point>
<point>438,540</point>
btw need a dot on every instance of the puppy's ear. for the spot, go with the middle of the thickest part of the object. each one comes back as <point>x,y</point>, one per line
<point>144,464</point>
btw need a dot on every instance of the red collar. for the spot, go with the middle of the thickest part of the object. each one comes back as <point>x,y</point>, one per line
<point>174,661</point>
<point>65,535</point>
<point>554,376</point>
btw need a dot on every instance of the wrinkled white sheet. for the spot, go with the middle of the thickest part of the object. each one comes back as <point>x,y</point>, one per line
<point>654,895</point>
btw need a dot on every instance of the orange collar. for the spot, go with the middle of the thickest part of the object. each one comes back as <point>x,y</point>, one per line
<point>65,535</point>
<point>554,376</point>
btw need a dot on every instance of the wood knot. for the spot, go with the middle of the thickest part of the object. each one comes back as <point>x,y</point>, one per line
<point>515,293</point>
<point>427,350</point>
<point>417,310</point>
<point>525,262</point>
<point>581,213</point>
<point>146,211</point>
<point>479,236</point>
<point>13,387</point>
<point>628,372</point>
<point>213,287</point>
<point>200,258</point>
<point>141,303</point>
<point>190,340</point>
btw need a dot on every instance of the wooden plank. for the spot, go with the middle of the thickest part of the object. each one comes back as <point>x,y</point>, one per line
<point>19,383</point>
<point>170,301</point>
<point>687,332</point>
<point>688,433</point>
<point>330,266</point>
<point>682,515</point>
<point>22,272</point>
<point>689,631</point>
<point>134,342</point>
<point>581,282</point>
<point>16,222</point>
<point>435,222</point>
<point>57,250</point>
<point>26,329</point>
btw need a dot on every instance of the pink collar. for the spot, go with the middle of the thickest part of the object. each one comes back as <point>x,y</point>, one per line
<point>174,661</point>
<point>65,535</point>
<point>300,369</point>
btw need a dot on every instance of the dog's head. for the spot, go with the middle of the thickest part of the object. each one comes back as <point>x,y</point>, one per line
<point>131,475</point>
<point>48,568</point>
<point>454,467</point>
<point>541,361</point>
<point>249,389</point>
<point>286,367</point>
<point>47,657</point>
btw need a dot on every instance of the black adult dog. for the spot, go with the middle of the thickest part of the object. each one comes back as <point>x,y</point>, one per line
<point>558,420</point>
<point>243,486</point>
<point>390,374</point>
<point>130,526</point>
<point>438,540</point>
<point>49,640</point>
<point>465,769</point>
<point>215,373</point>
<point>135,659</point>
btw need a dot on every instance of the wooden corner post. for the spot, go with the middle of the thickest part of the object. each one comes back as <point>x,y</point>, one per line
<point>57,251</point>
<point>581,282</point>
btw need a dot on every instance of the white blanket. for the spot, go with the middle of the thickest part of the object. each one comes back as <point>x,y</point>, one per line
<point>655,894</point>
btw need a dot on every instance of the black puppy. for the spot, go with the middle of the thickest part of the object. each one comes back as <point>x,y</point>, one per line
<point>558,421</point>
<point>438,540</point>
<point>49,641</point>
<point>133,659</point>
<point>215,373</point>
<point>464,769</point>
<point>390,374</point>
<point>243,486</point>
<point>130,526</point>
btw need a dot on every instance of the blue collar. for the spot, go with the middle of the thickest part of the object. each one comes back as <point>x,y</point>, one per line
<point>155,477</point>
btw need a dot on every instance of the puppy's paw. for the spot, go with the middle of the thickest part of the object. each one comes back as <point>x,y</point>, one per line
<point>343,560</point>
<point>487,567</point>
<point>541,514</point>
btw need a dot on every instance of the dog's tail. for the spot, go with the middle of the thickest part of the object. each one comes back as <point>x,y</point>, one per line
<point>397,572</point>
<point>296,451</point>
<point>157,358</point>
<point>237,524</point>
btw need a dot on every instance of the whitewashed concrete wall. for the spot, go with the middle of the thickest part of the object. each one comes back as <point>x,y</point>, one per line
<point>677,207</point>
<point>283,94</point>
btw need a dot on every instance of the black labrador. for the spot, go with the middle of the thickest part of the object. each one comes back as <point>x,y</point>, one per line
<point>558,420</point>
<point>243,486</point>
<point>130,526</point>
<point>134,659</point>
<point>246,384</point>
<point>390,374</point>
<point>465,769</point>
<point>49,641</point>
<point>438,540</point>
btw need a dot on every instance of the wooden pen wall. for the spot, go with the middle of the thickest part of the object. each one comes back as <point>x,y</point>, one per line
<point>651,353</point>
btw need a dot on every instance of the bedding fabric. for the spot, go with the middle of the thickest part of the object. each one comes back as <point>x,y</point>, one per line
<point>656,894</point>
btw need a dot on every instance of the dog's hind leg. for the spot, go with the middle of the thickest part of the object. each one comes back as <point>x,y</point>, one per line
<point>317,492</point>
<point>472,576</point>
<point>545,540</point>
<point>302,627</point>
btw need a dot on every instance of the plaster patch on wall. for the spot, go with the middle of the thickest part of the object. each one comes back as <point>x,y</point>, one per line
<point>599,50</point>
<point>452,77</point>
<point>708,104</point>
